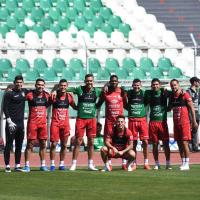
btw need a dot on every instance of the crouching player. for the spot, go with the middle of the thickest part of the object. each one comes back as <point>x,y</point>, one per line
<point>119,144</point>
<point>60,129</point>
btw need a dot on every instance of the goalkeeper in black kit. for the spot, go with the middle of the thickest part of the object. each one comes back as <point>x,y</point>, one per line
<point>13,108</point>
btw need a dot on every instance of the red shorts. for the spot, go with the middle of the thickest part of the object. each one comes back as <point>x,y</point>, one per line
<point>58,132</point>
<point>138,126</point>
<point>37,131</point>
<point>182,132</point>
<point>158,130</point>
<point>89,124</point>
<point>108,127</point>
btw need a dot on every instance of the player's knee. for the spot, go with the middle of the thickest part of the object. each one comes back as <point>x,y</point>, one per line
<point>79,141</point>
<point>53,145</point>
<point>90,141</point>
<point>131,153</point>
<point>104,150</point>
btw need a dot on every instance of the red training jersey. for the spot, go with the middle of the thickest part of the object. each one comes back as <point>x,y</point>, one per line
<point>38,104</point>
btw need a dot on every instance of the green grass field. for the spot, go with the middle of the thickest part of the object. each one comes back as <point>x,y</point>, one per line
<point>115,185</point>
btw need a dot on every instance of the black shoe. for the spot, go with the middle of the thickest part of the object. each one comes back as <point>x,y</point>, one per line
<point>7,170</point>
<point>18,169</point>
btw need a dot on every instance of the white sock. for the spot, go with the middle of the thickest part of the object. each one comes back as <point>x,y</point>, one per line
<point>74,162</point>
<point>17,165</point>
<point>7,166</point>
<point>27,163</point>
<point>90,162</point>
<point>43,163</point>
<point>187,160</point>
<point>110,162</point>
<point>183,161</point>
<point>61,163</point>
<point>52,162</point>
<point>146,161</point>
<point>124,161</point>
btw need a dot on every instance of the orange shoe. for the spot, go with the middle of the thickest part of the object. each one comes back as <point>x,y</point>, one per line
<point>147,167</point>
<point>124,167</point>
<point>110,167</point>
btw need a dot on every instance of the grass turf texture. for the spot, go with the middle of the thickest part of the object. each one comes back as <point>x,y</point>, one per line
<point>116,185</point>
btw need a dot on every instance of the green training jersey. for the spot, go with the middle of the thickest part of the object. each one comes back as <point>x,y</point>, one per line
<point>157,101</point>
<point>136,107</point>
<point>86,101</point>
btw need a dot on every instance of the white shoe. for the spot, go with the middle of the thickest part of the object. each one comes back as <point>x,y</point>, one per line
<point>157,167</point>
<point>106,169</point>
<point>185,168</point>
<point>73,167</point>
<point>168,167</point>
<point>92,168</point>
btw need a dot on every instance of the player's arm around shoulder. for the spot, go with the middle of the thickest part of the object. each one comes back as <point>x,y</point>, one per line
<point>72,101</point>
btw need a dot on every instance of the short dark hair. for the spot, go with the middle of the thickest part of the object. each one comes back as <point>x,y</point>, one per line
<point>155,80</point>
<point>113,76</point>
<point>18,77</point>
<point>136,80</point>
<point>194,79</point>
<point>120,116</point>
<point>62,81</point>
<point>39,79</point>
<point>174,80</point>
<point>89,75</point>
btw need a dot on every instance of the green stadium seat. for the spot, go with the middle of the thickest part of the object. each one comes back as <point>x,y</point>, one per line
<point>125,29</point>
<point>115,21</point>
<point>39,29</point>
<point>21,29</point>
<point>56,28</point>
<point>155,72</point>
<point>50,74</point>
<point>107,28</point>
<point>94,65</point>
<point>90,28</point>
<point>4,29</point>
<point>71,13</point>
<point>11,5</point>
<point>146,64</point>
<point>54,13</point>
<point>139,73</point>
<point>68,74</point>
<point>40,65</point>
<point>106,13</point>
<point>22,65</point>
<point>58,64</point>
<point>164,64</point>
<point>175,72</point>
<point>31,75</point>
<point>12,73</point>
<point>5,65</point>
<point>96,5</point>
<point>36,14</point>
<point>28,5</point>
<point>46,21</point>
<point>4,14</point>
<point>103,74</point>
<point>12,22</point>
<point>80,22</point>
<point>45,5</point>
<point>88,13</point>
<point>76,65</point>
<point>62,5</point>
<point>111,65</point>
<point>64,22</point>
<point>121,73</point>
<point>129,64</point>
<point>20,13</point>
<point>79,5</point>
<point>97,21</point>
